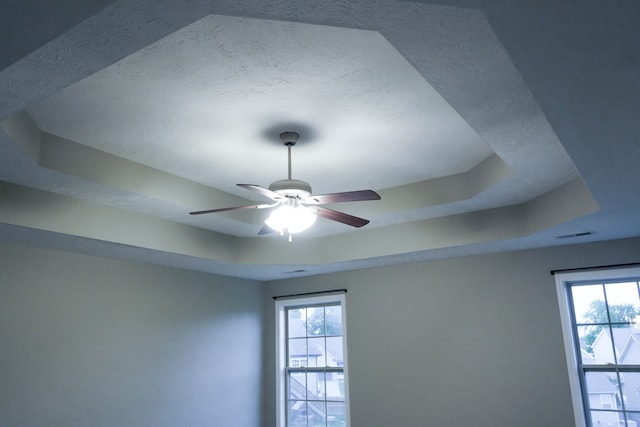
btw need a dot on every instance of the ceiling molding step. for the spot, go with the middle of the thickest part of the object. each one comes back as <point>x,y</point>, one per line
<point>46,211</point>
<point>42,210</point>
<point>563,204</point>
<point>68,157</point>
<point>24,132</point>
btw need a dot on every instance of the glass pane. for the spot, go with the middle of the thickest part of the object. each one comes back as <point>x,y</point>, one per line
<point>633,417</point>
<point>586,336</point>
<point>315,325</point>
<point>316,351</point>
<point>336,414</point>
<point>333,320</point>
<point>315,386</point>
<point>603,347</point>
<point>296,320</point>
<point>627,344</point>
<point>605,418</point>
<point>297,351</point>
<point>334,351</point>
<point>630,387</point>
<point>297,386</point>
<point>297,416</point>
<point>623,301</point>
<point>603,391</point>
<point>334,384</point>
<point>588,304</point>
<point>317,413</point>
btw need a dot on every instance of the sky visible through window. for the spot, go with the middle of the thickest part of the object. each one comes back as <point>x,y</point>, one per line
<point>617,294</point>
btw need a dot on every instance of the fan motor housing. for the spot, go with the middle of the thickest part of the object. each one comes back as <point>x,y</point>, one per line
<point>291,187</point>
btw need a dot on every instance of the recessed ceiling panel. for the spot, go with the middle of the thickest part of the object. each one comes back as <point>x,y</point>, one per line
<point>207,102</point>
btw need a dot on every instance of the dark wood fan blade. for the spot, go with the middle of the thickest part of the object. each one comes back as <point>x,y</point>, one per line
<point>342,217</point>
<point>347,196</point>
<point>261,190</point>
<point>265,230</point>
<point>235,208</point>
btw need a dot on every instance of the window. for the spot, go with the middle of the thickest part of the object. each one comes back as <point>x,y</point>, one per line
<point>600,311</point>
<point>312,369</point>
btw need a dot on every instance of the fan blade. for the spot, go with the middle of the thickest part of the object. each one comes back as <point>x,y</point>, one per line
<point>263,191</point>
<point>342,217</point>
<point>235,208</point>
<point>347,196</point>
<point>265,230</point>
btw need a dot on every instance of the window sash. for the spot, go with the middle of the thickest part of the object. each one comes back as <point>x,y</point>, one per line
<point>312,369</point>
<point>283,360</point>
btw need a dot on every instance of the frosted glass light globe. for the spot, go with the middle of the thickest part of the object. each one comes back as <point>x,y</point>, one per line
<point>292,219</point>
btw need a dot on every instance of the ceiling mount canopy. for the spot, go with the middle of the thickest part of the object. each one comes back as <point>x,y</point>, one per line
<point>289,138</point>
<point>296,208</point>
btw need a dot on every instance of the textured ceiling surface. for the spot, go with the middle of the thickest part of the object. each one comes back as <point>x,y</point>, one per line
<point>206,97</point>
<point>483,129</point>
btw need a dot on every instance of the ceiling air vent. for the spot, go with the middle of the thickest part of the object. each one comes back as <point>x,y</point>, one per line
<point>295,271</point>
<point>573,235</point>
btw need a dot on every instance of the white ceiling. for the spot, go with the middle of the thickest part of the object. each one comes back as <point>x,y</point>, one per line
<point>483,129</point>
<point>202,103</point>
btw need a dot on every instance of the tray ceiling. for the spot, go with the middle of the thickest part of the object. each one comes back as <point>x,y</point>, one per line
<point>118,127</point>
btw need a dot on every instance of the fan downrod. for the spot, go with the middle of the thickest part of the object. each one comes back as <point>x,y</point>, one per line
<point>291,187</point>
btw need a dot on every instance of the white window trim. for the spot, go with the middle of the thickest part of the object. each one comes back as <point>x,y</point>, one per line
<point>281,351</point>
<point>562,282</point>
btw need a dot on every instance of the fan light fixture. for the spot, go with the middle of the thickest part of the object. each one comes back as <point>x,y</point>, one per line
<point>291,218</point>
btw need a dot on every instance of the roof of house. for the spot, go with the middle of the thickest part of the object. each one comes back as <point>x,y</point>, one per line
<point>298,345</point>
<point>623,338</point>
<point>587,358</point>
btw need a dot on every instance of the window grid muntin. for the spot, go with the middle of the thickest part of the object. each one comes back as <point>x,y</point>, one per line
<point>609,368</point>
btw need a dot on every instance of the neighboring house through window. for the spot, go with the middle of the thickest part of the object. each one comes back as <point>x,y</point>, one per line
<point>600,310</point>
<point>311,355</point>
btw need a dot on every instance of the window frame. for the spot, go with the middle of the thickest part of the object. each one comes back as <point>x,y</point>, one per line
<point>281,349</point>
<point>564,282</point>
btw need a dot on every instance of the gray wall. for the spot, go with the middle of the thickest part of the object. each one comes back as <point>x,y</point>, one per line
<point>473,341</point>
<point>88,341</point>
<point>459,342</point>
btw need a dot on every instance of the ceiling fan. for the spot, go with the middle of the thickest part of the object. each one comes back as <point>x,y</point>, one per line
<point>296,208</point>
